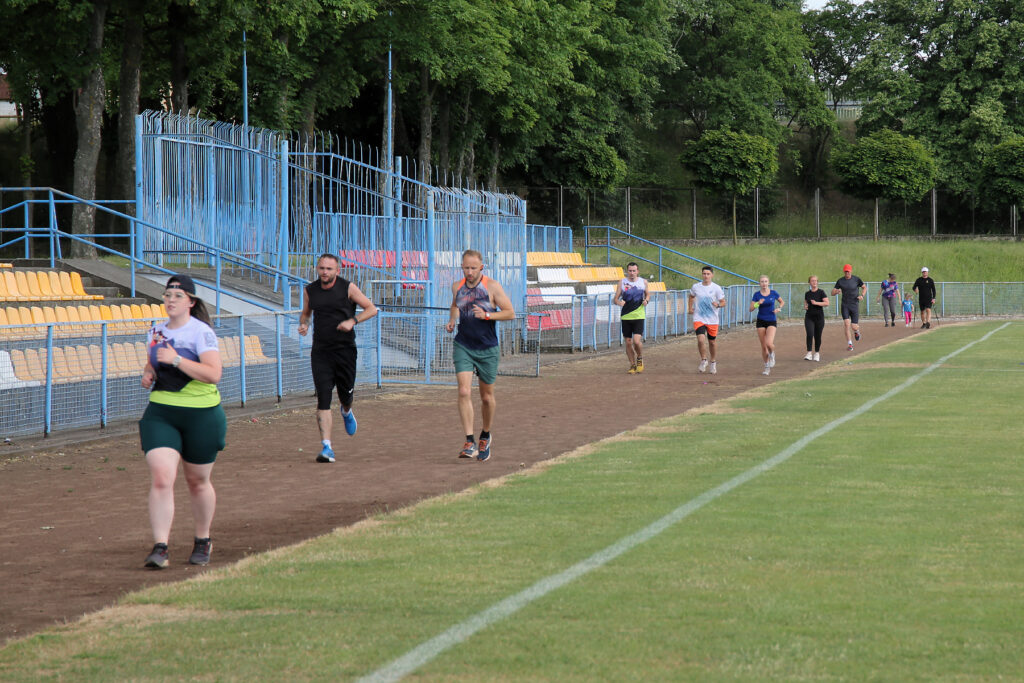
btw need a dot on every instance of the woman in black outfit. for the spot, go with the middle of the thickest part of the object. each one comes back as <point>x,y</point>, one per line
<point>815,302</point>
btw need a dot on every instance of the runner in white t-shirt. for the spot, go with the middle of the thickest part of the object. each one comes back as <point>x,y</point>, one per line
<point>706,298</point>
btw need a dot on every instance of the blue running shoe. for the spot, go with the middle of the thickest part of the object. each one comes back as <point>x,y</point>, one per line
<point>350,422</point>
<point>326,455</point>
<point>484,451</point>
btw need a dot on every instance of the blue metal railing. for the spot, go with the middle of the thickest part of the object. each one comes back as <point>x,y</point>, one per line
<point>608,232</point>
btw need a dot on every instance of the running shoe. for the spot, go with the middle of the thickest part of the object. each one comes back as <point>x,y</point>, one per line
<point>767,369</point>
<point>809,356</point>
<point>201,551</point>
<point>468,450</point>
<point>632,369</point>
<point>326,454</point>
<point>485,449</point>
<point>639,365</point>
<point>350,422</point>
<point>817,356</point>
<point>771,359</point>
<point>703,367</point>
<point>849,346</point>
<point>158,558</point>
<point>856,335</point>
<point>714,368</point>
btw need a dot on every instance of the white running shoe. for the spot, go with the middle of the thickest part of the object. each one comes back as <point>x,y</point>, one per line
<point>809,356</point>
<point>771,359</point>
<point>714,368</point>
<point>817,356</point>
<point>703,367</point>
<point>767,369</point>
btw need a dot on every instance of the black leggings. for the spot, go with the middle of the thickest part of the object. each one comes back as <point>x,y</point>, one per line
<point>814,327</point>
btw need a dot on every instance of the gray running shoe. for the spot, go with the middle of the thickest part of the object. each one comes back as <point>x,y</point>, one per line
<point>201,551</point>
<point>158,559</point>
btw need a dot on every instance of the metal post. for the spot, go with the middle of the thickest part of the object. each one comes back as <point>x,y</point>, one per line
<point>935,212</point>
<point>245,93</point>
<point>277,342</point>
<point>283,263</point>
<point>104,369</point>
<point>136,238</point>
<point>817,211</point>
<point>241,353</point>
<point>693,209</point>
<point>757,212</point>
<point>48,402</point>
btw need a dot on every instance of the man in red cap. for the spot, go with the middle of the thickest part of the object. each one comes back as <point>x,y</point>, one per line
<point>853,289</point>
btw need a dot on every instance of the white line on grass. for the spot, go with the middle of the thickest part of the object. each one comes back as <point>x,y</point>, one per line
<point>459,633</point>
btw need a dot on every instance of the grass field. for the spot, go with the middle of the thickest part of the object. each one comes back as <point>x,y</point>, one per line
<point>949,261</point>
<point>862,523</point>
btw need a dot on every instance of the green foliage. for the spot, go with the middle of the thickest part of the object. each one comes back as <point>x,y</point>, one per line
<point>951,73</point>
<point>730,162</point>
<point>1003,179</point>
<point>885,164</point>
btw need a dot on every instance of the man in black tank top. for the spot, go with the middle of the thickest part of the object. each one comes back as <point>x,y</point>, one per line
<point>331,301</point>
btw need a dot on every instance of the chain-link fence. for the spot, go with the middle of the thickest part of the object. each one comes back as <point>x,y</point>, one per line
<point>688,213</point>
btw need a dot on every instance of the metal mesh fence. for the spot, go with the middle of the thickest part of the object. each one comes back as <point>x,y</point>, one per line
<point>53,377</point>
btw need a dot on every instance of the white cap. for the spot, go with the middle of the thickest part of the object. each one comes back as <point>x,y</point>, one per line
<point>925,269</point>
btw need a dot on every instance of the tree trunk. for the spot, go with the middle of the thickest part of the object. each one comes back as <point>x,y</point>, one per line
<point>25,114</point>
<point>128,104</point>
<point>89,120</point>
<point>492,181</point>
<point>282,84</point>
<point>426,124</point>
<point>177,19</point>
<point>444,133</point>
<point>464,153</point>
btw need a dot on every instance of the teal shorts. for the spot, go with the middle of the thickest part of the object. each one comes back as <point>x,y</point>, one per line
<point>196,433</point>
<point>485,362</point>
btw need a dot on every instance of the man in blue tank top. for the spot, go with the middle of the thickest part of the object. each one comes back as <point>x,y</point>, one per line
<point>331,302</point>
<point>477,302</point>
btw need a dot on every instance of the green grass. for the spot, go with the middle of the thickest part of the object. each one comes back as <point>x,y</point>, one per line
<point>890,548</point>
<point>950,261</point>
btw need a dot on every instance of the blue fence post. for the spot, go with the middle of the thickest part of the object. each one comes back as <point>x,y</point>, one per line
<point>380,361</point>
<point>431,250</point>
<point>104,369</point>
<point>241,354</point>
<point>277,342</point>
<point>283,260</point>
<point>53,228</point>
<point>48,403</point>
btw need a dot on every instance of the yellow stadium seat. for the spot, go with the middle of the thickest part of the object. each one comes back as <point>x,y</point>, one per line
<point>66,288</point>
<point>229,353</point>
<point>42,279</point>
<point>11,291</point>
<point>34,285</point>
<point>254,350</point>
<point>22,287</point>
<point>656,287</point>
<point>79,289</point>
<point>27,367</point>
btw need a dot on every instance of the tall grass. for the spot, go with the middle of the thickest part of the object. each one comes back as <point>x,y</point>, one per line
<point>888,548</point>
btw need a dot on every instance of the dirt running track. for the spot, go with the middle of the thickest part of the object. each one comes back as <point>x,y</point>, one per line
<point>74,528</point>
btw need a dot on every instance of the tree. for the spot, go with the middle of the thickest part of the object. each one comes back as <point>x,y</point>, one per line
<point>885,164</point>
<point>840,36</point>
<point>732,163</point>
<point>1003,174</point>
<point>951,73</point>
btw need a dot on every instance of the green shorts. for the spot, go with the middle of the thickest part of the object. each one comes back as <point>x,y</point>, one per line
<point>196,433</point>
<point>485,362</point>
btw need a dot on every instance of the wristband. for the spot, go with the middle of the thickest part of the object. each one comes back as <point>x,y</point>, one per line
<point>487,315</point>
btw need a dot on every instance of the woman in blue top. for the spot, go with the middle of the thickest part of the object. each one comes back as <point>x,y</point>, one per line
<point>889,295</point>
<point>767,302</point>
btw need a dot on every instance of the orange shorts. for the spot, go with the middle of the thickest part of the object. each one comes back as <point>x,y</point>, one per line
<point>712,330</point>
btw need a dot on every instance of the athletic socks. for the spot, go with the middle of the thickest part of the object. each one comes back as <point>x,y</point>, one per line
<point>326,442</point>
<point>470,439</point>
<point>484,435</point>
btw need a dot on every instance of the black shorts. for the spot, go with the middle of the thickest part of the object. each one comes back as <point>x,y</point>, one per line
<point>767,323</point>
<point>632,327</point>
<point>197,434</point>
<point>333,368</point>
<point>851,312</point>
<point>922,304</point>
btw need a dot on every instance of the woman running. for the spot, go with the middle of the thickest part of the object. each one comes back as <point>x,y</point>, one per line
<point>767,302</point>
<point>815,301</point>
